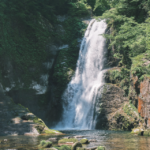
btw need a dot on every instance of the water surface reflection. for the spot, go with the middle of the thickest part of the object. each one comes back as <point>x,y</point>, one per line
<point>112,140</point>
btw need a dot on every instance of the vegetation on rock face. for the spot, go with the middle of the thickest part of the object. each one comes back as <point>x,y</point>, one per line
<point>129,45</point>
<point>126,118</point>
<point>66,60</point>
<point>141,65</point>
<point>128,35</point>
<point>120,77</point>
<point>27,30</point>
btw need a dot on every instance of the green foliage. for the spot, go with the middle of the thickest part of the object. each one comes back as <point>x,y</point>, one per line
<point>141,65</point>
<point>147,30</point>
<point>67,58</point>
<point>101,6</point>
<point>121,78</point>
<point>130,109</point>
<point>27,28</point>
<point>79,8</point>
<point>129,33</point>
<point>24,34</point>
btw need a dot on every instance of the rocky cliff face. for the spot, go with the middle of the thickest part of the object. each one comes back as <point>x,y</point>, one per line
<point>140,95</point>
<point>39,87</point>
<point>134,87</point>
<point>144,99</point>
<point>112,109</point>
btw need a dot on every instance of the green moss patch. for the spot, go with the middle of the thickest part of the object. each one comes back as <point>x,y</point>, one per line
<point>120,77</point>
<point>101,148</point>
<point>45,144</point>
<point>84,141</point>
<point>50,131</point>
<point>130,110</point>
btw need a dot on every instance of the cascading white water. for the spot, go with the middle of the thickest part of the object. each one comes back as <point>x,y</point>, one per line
<point>79,97</point>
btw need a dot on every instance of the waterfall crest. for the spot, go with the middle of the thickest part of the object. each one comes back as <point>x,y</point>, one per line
<point>79,97</point>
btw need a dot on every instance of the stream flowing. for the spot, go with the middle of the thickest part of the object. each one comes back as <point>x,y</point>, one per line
<point>79,97</point>
<point>112,140</point>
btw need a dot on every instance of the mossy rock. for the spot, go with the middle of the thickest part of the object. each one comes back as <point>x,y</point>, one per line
<point>68,140</point>
<point>84,141</point>
<point>75,145</point>
<point>51,131</point>
<point>28,116</point>
<point>146,133</point>
<point>39,128</point>
<point>38,121</point>
<point>101,148</point>
<point>137,131</point>
<point>45,144</point>
<point>42,128</point>
<point>80,148</point>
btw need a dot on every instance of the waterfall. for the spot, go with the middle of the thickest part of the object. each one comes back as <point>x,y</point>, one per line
<point>79,97</point>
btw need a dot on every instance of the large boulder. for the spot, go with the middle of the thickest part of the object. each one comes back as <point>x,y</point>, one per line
<point>109,100</point>
<point>17,120</point>
<point>75,145</point>
<point>84,141</point>
<point>45,144</point>
<point>101,148</point>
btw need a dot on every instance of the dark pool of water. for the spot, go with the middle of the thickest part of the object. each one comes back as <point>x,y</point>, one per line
<point>112,140</point>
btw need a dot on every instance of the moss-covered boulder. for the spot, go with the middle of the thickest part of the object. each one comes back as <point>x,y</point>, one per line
<point>45,144</point>
<point>23,121</point>
<point>101,148</point>
<point>80,148</point>
<point>126,118</point>
<point>141,131</point>
<point>65,140</point>
<point>84,141</point>
<point>75,145</point>
<point>138,131</point>
<point>109,100</point>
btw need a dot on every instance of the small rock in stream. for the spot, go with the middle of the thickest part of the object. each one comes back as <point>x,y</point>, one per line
<point>92,140</point>
<point>78,136</point>
<point>53,139</point>
<point>5,140</point>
